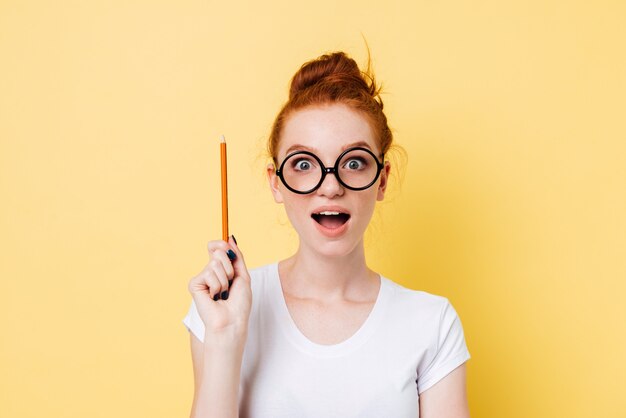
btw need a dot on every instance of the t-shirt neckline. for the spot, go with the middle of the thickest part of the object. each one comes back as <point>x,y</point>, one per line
<point>303,343</point>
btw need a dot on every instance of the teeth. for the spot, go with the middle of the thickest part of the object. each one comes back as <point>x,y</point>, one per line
<point>327,212</point>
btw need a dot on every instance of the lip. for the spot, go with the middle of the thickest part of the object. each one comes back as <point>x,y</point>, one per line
<point>331,232</point>
<point>332,208</point>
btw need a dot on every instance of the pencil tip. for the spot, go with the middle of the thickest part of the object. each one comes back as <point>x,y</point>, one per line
<point>222,139</point>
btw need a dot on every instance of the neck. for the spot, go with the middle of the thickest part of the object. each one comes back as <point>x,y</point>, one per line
<point>311,275</point>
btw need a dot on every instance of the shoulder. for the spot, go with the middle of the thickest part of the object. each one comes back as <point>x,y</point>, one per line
<point>423,312</point>
<point>431,329</point>
<point>417,301</point>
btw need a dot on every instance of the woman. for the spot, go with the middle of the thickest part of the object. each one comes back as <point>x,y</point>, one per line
<point>320,334</point>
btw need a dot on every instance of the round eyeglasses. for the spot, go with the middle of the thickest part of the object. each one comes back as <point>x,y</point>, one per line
<point>356,169</point>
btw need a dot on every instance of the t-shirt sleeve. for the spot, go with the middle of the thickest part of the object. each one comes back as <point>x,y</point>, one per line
<point>451,350</point>
<point>193,322</point>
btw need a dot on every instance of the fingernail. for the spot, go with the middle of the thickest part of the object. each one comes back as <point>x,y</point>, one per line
<point>216,297</point>
<point>224,295</point>
<point>231,254</point>
<point>234,239</point>
<point>230,282</point>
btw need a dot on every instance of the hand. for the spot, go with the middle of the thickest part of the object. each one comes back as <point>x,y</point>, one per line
<point>227,315</point>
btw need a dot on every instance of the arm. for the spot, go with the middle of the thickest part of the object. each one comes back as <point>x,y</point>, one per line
<point>217,368</point>
<point>217,359</point>
<point>447,398</point>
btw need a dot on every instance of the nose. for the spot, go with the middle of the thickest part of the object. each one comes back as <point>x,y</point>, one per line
<point>330,187</point>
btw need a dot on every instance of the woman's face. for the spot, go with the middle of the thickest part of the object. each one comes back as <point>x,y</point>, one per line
<point>327,131</point>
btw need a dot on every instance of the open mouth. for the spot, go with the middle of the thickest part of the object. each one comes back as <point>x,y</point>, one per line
<point>331,219</point>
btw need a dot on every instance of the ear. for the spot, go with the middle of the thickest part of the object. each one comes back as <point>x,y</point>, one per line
<point>274,181</point>
<point>384,178</point>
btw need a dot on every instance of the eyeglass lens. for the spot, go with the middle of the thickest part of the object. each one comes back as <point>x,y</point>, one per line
<point>356,169</point>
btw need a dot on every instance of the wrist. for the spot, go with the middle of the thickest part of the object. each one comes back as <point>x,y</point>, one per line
<point>231,338</point>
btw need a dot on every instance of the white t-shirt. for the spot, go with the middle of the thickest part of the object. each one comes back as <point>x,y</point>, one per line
<point>410,340</point>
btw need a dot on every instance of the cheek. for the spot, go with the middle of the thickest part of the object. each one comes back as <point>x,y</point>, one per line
<point>295,208</point>
<point>367,205</point>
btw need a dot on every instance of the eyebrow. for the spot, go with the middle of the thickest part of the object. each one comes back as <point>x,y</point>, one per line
<point>299,147</point>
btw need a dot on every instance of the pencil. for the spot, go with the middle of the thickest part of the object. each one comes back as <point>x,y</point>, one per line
<point>224,189</point>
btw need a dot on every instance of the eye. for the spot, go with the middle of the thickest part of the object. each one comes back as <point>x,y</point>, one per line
<point>355,164</point>
<point>302,164</point>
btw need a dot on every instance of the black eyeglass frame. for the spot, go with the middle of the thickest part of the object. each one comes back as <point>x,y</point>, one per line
<point>334,170</point>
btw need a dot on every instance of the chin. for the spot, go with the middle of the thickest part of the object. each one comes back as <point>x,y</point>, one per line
<point>338,248</point>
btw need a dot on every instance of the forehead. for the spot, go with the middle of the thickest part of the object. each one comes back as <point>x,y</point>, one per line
<point>326,131</point>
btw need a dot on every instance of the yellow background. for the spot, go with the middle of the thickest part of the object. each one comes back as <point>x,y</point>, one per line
<point>513,203</point>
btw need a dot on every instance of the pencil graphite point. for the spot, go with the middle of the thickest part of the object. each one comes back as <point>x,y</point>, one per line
<point>222,139</point>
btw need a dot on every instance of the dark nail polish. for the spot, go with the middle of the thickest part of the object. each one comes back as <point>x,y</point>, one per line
<point>224,295</point>
<point>234,239</point>
<point>231,254</point>
<point>230,283</point>
<point>216,297</point>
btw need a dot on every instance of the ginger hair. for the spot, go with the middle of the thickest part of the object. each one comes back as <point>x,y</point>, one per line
<point>329,79</point>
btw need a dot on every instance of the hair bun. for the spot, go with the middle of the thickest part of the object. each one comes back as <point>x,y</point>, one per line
<point>332,70</point>
<point>334,78</point>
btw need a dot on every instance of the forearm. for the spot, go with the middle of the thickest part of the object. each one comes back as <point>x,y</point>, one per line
<point>218,393</point>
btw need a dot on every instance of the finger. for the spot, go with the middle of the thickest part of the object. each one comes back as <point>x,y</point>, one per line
<point>205,283</point>
<point>197,285</point>
<point>218,271</point>
<point>225,261</point>
<point>217,245</point>
<point>215,287</point>
<point>227,268</point>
